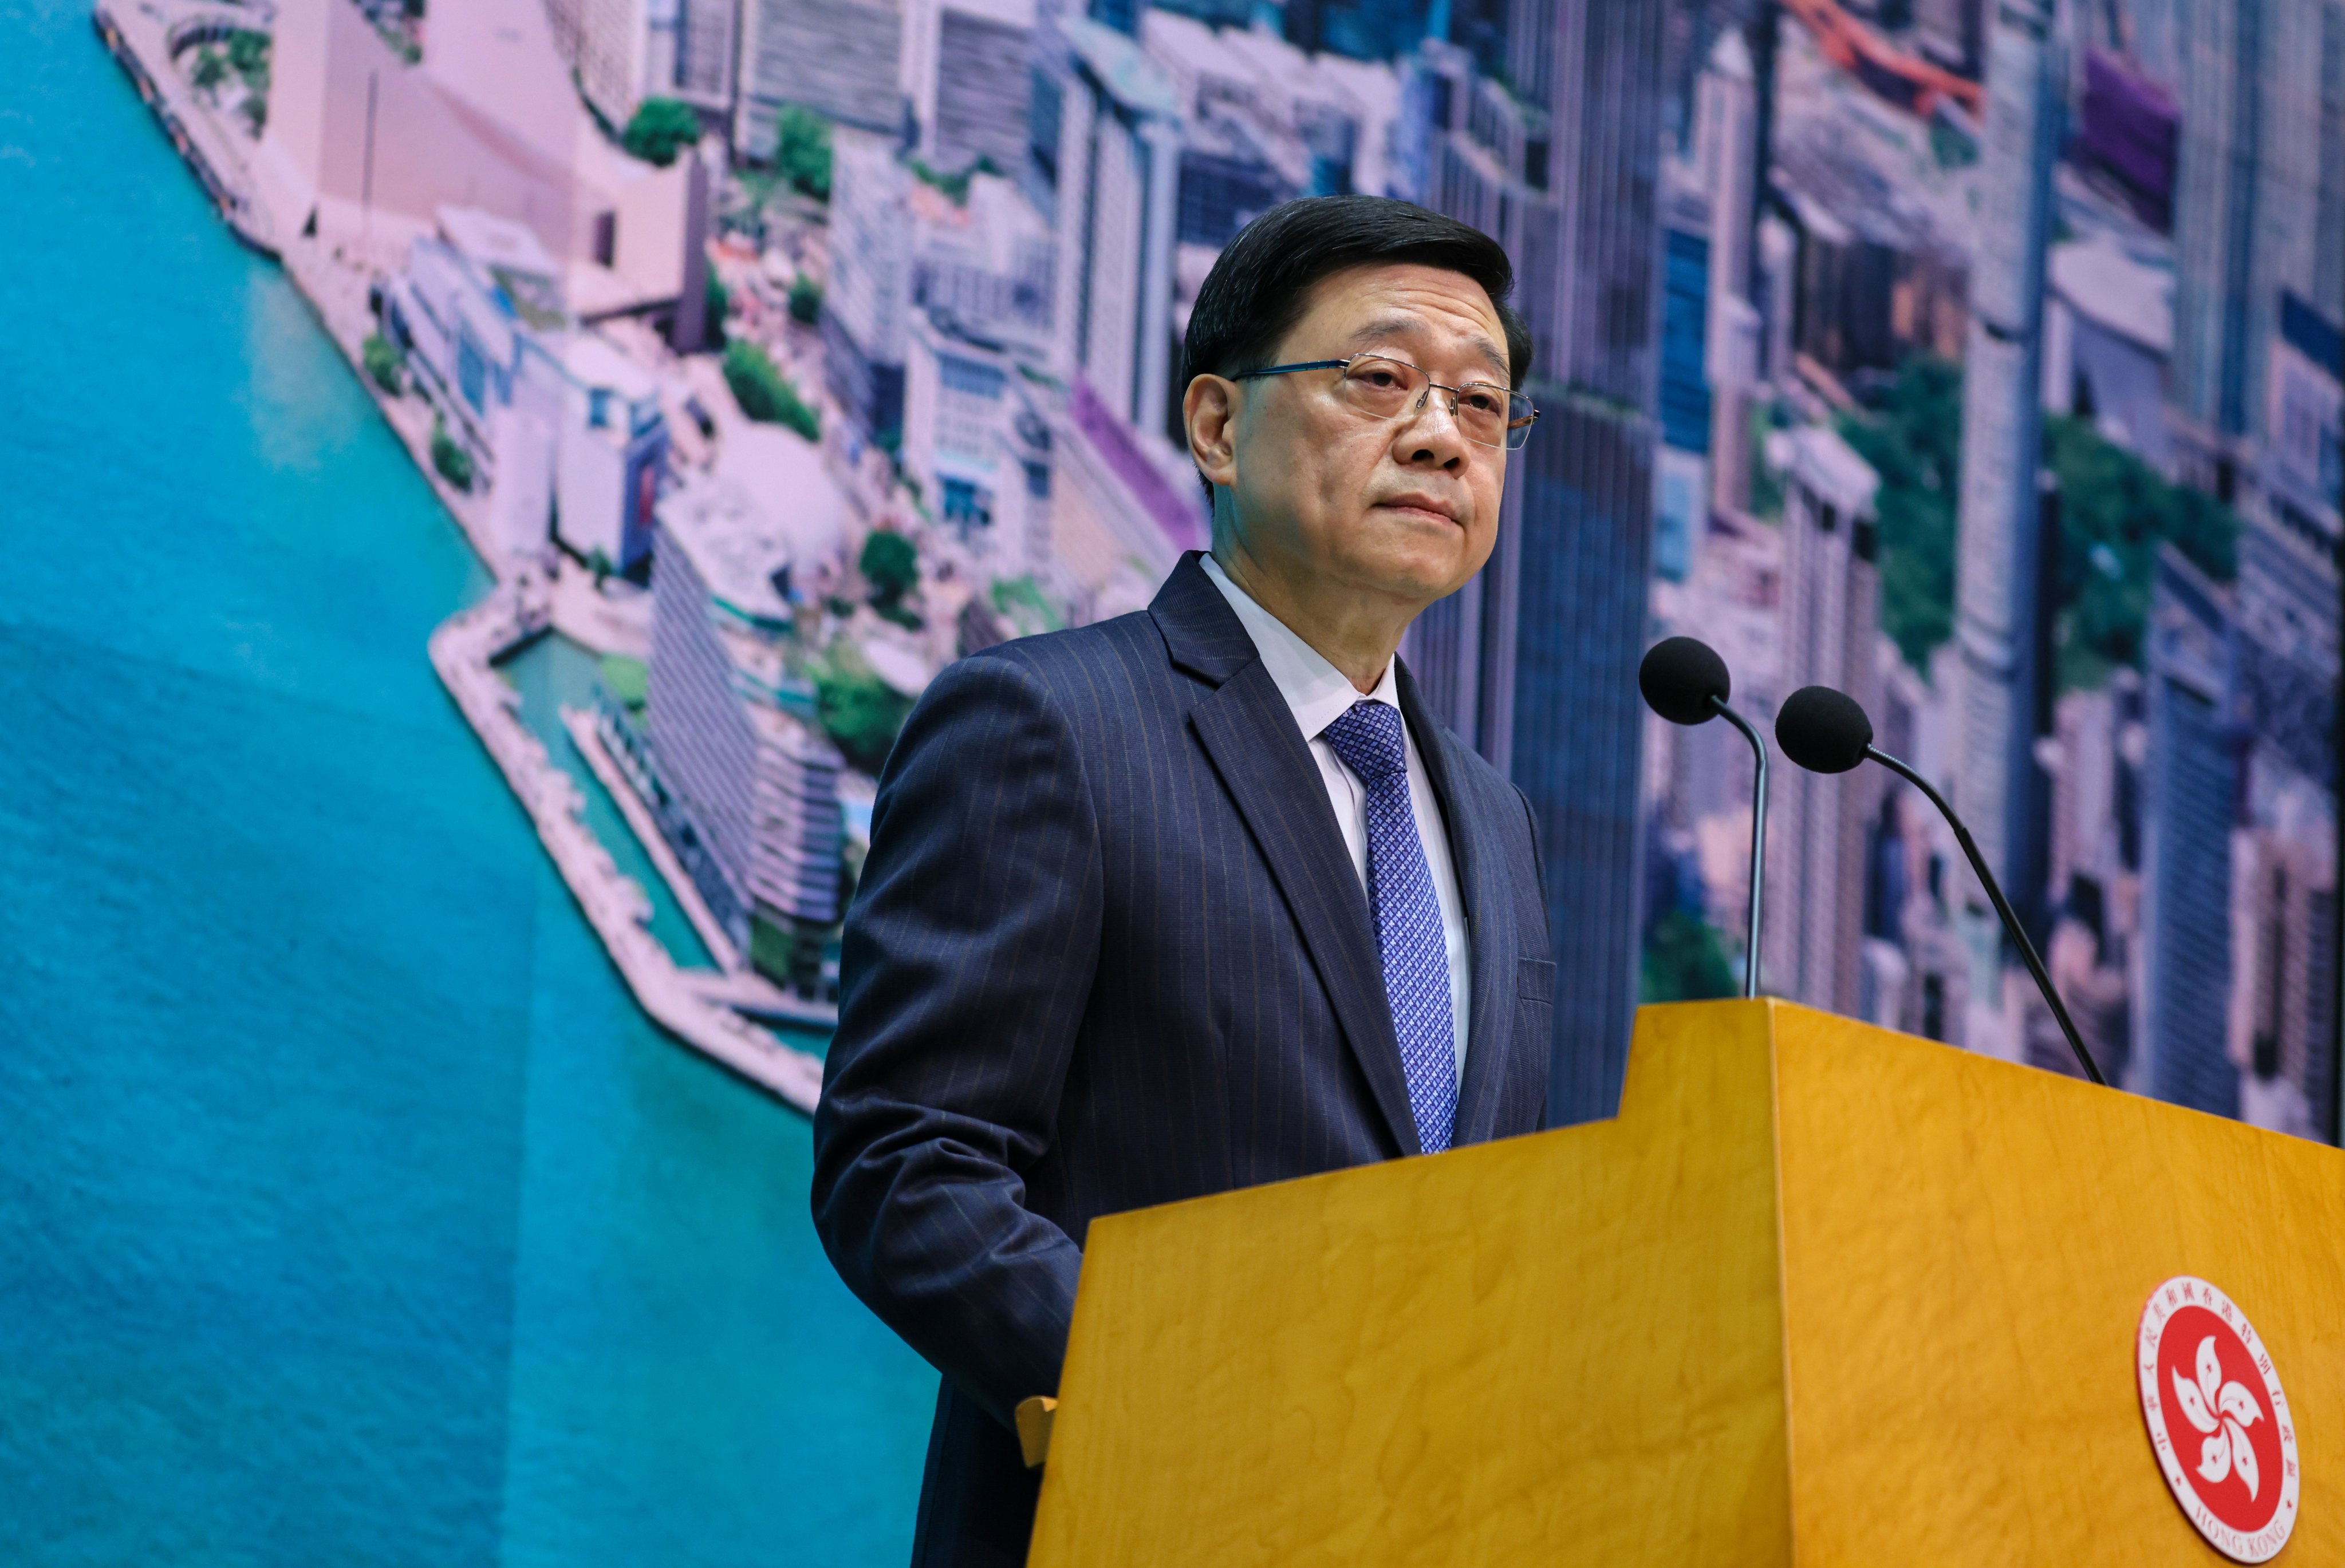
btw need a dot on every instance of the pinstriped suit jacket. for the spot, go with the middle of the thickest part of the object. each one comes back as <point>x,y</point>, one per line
<point>1110,951</point>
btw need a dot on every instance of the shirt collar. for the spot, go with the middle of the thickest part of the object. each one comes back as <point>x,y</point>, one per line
<point>1316,692</point>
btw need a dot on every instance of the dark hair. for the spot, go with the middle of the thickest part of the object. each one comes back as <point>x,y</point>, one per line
<point>1262,282</point>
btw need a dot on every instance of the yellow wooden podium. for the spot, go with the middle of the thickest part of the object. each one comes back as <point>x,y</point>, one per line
<point>1820,1295</point>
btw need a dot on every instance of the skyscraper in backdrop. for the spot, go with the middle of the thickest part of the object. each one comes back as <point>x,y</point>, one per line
<point>2237,1005</point>
<point>2002,690</point>
<point>1536,661</point>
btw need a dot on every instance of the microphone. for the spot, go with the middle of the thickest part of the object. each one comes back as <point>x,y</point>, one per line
<point>1685,682</point>
<point>1826,732</point>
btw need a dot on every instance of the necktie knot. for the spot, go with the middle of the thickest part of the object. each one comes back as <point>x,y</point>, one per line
<point>1369,739</point>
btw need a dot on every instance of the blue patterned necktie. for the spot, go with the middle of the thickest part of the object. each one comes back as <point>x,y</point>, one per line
<point>1371,742</point>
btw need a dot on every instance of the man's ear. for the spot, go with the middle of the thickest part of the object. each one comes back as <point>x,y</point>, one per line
<point>1209,413</point>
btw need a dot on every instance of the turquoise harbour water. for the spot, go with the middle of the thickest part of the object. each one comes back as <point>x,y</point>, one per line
<point>350,1213</point>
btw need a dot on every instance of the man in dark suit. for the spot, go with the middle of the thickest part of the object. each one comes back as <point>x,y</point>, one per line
<point>1198,897</point>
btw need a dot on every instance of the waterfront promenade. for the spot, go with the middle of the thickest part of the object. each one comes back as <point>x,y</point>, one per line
<point>145,36</point>
<point>709,1013</point>
<point>464,652</point>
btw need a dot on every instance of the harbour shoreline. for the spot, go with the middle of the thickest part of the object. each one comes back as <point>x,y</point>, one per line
<point>522,605</point>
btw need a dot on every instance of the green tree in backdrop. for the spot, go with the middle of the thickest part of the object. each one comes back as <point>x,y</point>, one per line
<point>660,130</point>
<point>802,151</point>
<point>1684,961</point>
<point>449,456</point>
<point>719,305</point>
<point>860,713</point>
<point>2116,513</point>
<point>381,359</point>
<point>890,565</point>
<point>806,301</point>
<point>209,72</point>
<point>248,55</point>
<point>764,393</point>
<point>892,568</point>
<point>1914,442</point>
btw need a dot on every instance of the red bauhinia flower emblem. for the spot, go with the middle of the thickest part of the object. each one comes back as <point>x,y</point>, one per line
<point>2219,1422</point>
<point>2223,1410</point>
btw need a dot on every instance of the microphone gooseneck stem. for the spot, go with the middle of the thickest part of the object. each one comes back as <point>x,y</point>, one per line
<point>1758,843</point>
<point>2002,908</point>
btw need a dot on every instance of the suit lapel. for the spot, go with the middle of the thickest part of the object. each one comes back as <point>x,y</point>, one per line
<point>1489,933</point>
<point>1249,734</point>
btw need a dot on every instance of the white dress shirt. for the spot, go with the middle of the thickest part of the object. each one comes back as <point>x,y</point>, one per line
<point>1319,694</point>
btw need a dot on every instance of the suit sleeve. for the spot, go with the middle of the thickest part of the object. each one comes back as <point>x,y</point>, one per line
<point>966,967</point>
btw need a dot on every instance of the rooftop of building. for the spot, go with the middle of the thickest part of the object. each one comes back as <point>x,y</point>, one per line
<point>785,474</point>
<point>489,241</point>
<point>592,360</point>
<point>1118,65</point>
<point>1843,196</point>
<point>454,291</point>
<point>1827,465</point>
<point>1220,74</point>
<point>989,227</point>
<point>739,552</point>
<point>2117,288</point>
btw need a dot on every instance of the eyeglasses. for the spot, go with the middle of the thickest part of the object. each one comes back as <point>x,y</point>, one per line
<point>1378,387</point>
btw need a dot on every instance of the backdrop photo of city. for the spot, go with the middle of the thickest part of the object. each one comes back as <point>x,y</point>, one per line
<point>496,477</point>
<point>1978,358</point>
<point>493,477</point>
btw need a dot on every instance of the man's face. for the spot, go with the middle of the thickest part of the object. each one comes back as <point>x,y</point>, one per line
<point>1404,508</point>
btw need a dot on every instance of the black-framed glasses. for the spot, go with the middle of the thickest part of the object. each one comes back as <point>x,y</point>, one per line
<point>1379,387</point>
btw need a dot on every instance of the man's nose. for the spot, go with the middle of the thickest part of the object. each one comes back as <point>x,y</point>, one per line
<point>1431,431</point>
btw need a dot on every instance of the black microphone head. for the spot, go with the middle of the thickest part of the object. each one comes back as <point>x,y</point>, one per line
<point>1679,676</point>
<point>1823,731</point>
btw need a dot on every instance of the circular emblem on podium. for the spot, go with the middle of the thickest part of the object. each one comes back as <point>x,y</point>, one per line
<point>2218,1421</point>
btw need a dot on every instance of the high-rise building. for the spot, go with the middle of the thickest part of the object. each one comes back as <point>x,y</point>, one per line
<point>1952,32</point>
<point>1726,160</point>
<point>1104,165</point>
<point>979,263</point>
<point>1997,782</point>
<point>2190,787</point>
<point>2156,40</point>
<point>748,782</point>
<point>566,430</point>
<point>2284,882</point>
<point>1564,168</point>
<point>865,308</point>
<point>967,83</point>
<point>1361,29</point>
<point>1681,475</point>
<point>2259,211</point>
<point>985,264</point>
<point>840,58</point>
<point>977,426</point>
<point>364,148</point>
<point>2236,996</point>
<point>977,445</point>
<point>610,455</point>
<point>625,51</point>
<point>1874,282</point>
<point>1832,625</point>
<point>705,36</point>
<point>1263,121</point>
